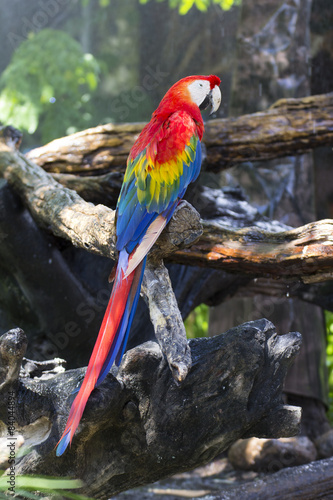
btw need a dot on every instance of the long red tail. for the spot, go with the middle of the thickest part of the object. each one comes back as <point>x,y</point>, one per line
<point>110,344</point>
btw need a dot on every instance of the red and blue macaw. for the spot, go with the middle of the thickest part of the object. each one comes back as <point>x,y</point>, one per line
<point>163,161</point>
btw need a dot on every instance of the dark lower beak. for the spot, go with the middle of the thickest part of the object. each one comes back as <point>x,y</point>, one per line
<point>206,102</point>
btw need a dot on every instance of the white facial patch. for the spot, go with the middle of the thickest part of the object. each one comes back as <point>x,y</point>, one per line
<point>199,89</point>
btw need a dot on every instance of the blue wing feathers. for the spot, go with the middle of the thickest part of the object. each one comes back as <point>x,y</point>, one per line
<point>197,163</point>
<point>136,287</point>
<point>133,217</point>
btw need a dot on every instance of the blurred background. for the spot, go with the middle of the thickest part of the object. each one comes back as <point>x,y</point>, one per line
<point>72,64</point>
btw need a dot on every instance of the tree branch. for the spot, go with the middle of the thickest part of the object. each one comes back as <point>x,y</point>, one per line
<point>304,253</point>
<point>289,127</point>
<point>58,208</point>
<point>305,482</point>
<point>166,318</point>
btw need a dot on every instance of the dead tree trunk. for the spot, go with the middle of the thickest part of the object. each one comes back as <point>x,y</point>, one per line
<point>140,425</point>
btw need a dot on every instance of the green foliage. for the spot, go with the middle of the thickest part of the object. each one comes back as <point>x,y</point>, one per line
<point>185,5</point>
<point>35,487</point>
<point>48,83</point>
<point>196,323</point>
<point>329,361</point>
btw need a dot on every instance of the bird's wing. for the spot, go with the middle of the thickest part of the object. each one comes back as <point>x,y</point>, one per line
<point>155,181</point>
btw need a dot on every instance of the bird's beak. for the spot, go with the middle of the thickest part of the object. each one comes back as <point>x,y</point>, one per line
<point>215,99</point>
<point>212,99</point>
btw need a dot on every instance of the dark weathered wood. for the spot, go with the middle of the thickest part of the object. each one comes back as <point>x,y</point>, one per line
<point>166,318</point>
<point>42,292</point>
<point>290,126</point>
<point>306,482</point>
<point>12,349</point>
<point>103,189</point>
<point>140,425</point>
<point>320,294</point>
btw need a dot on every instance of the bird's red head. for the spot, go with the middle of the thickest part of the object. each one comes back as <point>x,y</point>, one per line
<point>192,93</point>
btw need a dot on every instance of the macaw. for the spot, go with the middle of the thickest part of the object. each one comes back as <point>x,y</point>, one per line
<point>163,161</point>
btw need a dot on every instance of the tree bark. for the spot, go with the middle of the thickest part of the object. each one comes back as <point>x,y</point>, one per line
<point>290,126</point>
<point>304,253</point>
<point>305,482</point>
<point>140,425</point>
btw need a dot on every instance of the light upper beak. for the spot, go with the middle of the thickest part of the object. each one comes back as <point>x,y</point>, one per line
<point>215,99</point>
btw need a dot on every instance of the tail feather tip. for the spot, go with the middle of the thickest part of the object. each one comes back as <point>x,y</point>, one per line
<point>63,443</point>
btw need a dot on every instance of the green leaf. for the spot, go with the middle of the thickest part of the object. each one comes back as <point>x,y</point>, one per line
<point>196,323</point>
<point>41,483</point>
<point>46,93</point>
<point>202,5</point>
<point>91,80</point>
<point>46,63</point>
<point>227,4</point>
<point>27,494</point>
<point>185,6</point>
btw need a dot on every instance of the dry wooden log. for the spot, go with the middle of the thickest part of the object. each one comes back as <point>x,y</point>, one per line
<point>289,127</point>
<point>305,482</point>
<point>74,282</point>
<point>140,425</point>
<point>60,209</point>
<point>304,253</point>
<point>67,215</point>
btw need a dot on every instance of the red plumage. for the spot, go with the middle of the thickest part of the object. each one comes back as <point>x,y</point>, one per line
<point>177,98</point>
<point>105,339</point>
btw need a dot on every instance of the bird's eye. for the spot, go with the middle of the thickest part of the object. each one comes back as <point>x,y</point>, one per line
<point>200,85</point>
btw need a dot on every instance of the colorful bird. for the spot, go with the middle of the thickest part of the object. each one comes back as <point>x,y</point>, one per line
<point>163,161</point>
